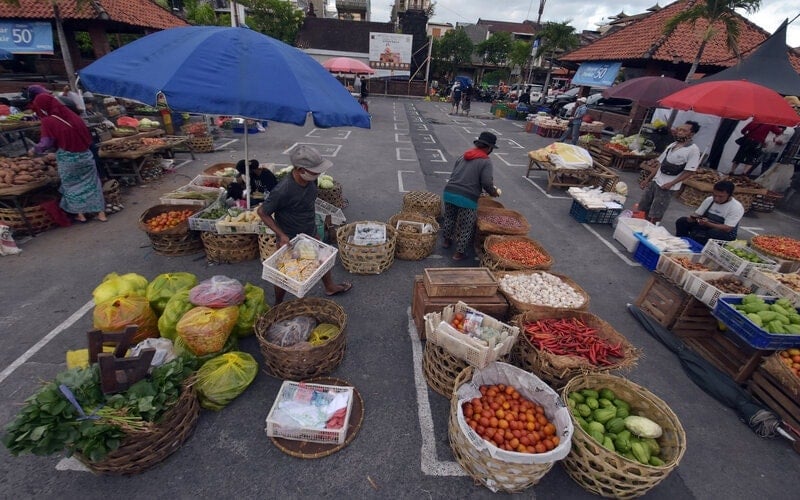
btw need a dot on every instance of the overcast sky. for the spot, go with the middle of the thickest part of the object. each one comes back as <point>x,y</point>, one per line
<point>583,14</point>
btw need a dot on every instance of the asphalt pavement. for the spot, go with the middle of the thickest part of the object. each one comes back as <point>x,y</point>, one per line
<point>402,449</point>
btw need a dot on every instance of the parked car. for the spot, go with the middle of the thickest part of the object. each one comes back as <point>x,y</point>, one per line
<point>613,105</point>
<point>571,95</point>
<point>534,90</point>
<point>566,109</point>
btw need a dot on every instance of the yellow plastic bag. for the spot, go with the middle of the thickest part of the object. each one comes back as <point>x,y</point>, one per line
<point>79,358</point>
<point>114,315</point>
<point>114,285</point>
<point>205,330</point>
<point>220,380</point>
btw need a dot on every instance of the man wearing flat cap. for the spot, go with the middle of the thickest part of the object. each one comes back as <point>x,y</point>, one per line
<point>290,208</point>
<point>472,175</point>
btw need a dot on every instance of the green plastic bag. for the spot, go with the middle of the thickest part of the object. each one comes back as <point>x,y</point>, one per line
<point>176,307</point>
<point>252,307</point>
<point>220,380</point>
<point>164,286</point>
<point>183,350</point>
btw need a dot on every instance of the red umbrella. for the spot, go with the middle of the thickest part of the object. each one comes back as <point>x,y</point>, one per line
<point>347,65</point>
<point>646,90</point>
<point>735,99</point>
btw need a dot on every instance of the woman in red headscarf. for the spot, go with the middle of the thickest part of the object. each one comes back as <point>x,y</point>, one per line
<point>65,131</point>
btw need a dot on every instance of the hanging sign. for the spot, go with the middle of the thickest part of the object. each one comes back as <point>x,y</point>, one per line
<point>26,37</point>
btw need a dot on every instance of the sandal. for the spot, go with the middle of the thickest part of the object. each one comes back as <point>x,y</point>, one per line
<point>459,256</point>
<point>343,288</point>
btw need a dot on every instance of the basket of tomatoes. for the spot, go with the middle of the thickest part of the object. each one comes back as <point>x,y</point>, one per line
<point>507,427</point>
<point>167,226</point>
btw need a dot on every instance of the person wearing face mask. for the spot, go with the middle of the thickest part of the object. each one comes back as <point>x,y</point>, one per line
<point>717,217</point>
<point>290,208</point>
<point>676,164</point>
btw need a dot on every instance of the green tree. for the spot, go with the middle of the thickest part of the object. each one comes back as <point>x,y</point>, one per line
<point>201,13</point>
<point>277,18</point>
<point>495,49</point>
<point>452,50</point>
<point>555,38</point>
<point>712,12</point>
<point>519,55</point>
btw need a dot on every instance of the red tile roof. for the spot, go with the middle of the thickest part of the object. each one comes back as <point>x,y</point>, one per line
<point>644,39</point>
<point>508,27</point>
<point>140,13</point>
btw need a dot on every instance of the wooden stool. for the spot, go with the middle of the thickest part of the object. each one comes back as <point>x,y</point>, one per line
<point>118,373</point>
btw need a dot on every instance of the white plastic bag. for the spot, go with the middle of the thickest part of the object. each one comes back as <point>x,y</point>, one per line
<point>7,244</point>
<point>165,351</point>
<point>778,178</point>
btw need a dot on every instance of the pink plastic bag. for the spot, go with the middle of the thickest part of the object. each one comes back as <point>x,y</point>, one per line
<point>218,291</point>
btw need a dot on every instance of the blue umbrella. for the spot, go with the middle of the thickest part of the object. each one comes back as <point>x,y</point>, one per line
<point>465,81</point>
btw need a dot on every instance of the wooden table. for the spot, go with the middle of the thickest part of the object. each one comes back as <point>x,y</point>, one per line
<point>611,158</point>
<point>596,175</point>
<point>136,159</point>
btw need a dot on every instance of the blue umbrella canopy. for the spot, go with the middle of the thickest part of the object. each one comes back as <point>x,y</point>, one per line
<point>225,71</point>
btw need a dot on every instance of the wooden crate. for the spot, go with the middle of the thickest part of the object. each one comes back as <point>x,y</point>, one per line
<point>662,300</point>
<point>459,282</point>
<point>630,163</point>
<point>732,357</point>
<point>695,320</point>
<point>421,304</point>
<point>771,392</point>
<point>600,154</point>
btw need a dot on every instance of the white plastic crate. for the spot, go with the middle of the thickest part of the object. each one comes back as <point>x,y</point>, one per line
<point>211,181</point>
<point>324,208</point>
<point>199,222</point>
<point>625,229</point>
<point>769,282</point>
<point>676,273</point>
<point>270,272</point>
<point>300,392</point>
<point>732,262</point>
<point>210,195</point>
<point>475,352</point>
<point>697,284</point>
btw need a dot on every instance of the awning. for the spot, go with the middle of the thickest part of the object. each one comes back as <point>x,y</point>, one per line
<point>597,73</point>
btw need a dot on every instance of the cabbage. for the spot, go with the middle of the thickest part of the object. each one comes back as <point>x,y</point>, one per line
<point>114,285</point>
<point>643,427</point>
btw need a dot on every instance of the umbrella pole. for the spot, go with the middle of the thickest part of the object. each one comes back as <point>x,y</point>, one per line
<point>246,167</point>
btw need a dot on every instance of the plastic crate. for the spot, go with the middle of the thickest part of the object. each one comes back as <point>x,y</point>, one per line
<point>648,255</point>
<point>198,222</point>
<point>624,231</point>
<point>751,333</point>
<point>211,181</point>
<point>777,288</point>
<point>324,208</point>
<point>732,262</point>
<point>586,216</point>
<point>697,284</point>
<point>299,288</point>
<point>211,195</point>
<point>676,273</point>
<point>301,392</point>
<point>475,352</point>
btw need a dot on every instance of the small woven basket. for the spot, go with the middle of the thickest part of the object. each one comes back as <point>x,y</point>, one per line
<point>558,370</point>
<point>488,202</point>
<point>177,240</point>
<point>267,245</point>
<point>414,246</point>
<point>229,248</point>
<point>497,263</point>
<point>142,450</point>
<point>441,368</point>
<point>365,259</point>
<point>36,215</point>
<point>518,307</point>
<point>487,218</point>
<point>333,195</point>
<point>201,143</point>
<point>607,473</point>
<point>306,361</point>
<point>423,202</point>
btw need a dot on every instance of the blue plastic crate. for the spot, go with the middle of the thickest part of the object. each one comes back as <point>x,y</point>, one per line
<point>586,216</point>
<point>647,255</point>
<point>748,331</point>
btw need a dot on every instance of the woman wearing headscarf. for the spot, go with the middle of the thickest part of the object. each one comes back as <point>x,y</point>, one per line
<point>65,131</point>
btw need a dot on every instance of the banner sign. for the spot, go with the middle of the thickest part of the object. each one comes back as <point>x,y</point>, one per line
<point>390,51</point>
<point>26,37</point>
<point>597,74</point>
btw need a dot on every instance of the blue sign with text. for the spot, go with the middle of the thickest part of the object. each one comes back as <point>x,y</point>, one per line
<point>26,38</point>
<point>597,74</point>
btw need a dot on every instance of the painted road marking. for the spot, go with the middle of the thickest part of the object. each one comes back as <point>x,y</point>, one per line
<point>751,229</point>
<point>400,186</point>
<point>611,246</point>
<point>329,134</point>
<point>427,138</point>
<point>545,192</point>
<point>500,157</point>
<point>401,152</point>
<point>512,143</point>
<point>474,132</point>
<point>401,126</point>
<point>324,149</point>
<point>225,144</point>
<point>437,153</point>
<point>401,137</point>
<point>787,216</point>
<point>429,462</point>
<point>420,126</point>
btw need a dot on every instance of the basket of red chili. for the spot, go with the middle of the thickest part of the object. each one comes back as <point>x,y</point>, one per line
<point>510,253</point>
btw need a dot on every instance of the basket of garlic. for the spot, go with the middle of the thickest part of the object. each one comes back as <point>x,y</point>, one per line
<point>541,291</point>
<point>239,221</point>
<point>297,266</point>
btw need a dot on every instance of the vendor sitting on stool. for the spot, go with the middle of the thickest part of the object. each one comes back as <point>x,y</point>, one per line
<point>716,218</point>
<point>262,180</point>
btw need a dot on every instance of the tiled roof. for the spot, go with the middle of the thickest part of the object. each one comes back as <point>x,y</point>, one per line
<point>498,26</point>
<point>337,34</point>
<point>139,13</point>
<point>643,39</point>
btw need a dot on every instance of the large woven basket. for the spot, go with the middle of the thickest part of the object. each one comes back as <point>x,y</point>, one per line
<point>423,202</point>
<point>485,223</point>
<point>365,259</point>
<point>177,240</point>
<point>488,202</point>
<point>783,374</point>
<point>37,217</point>
<point>414,246</point>
<point>691,196</point>
<point>518,306</point>
<point>201,143</point>
<point>142,450</point>
<point>333,195</point>
<point>497,263</point>
<point>306,361</point>
<point>441,368</point>
<point>229,248</point>
<point>558,370</point>
<point>267,245</point>
<point>607,473</point>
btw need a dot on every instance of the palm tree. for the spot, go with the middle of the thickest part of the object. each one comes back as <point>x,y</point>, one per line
<point>712,12</point>
<point>555,38</point>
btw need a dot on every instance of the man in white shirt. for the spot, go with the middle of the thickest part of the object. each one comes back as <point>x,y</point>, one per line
<point>716,218</point>
<point>676,164</point>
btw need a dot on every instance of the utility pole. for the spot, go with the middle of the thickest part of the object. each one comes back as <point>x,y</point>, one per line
<point>541,10</point>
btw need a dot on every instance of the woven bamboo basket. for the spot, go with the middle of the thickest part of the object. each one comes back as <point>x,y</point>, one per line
<point>142,450</point>
<point>333,195</point>
<point>783,374</point>
<point>770,253</point>
<point>267,245</point>
<point>111,192</point>
<point>306,361</point>
<point>414,246</point>
<point>229,248</point>
<point>486,225</point>
<point>36,215</point>
<point>369,259</point>
<point>692,197</point>
<point>177,240</point>
<point>195,129</point>
<point>496,263</point>
<point>488,202</point>
<point>423,202</point>
<point>558,370</point>
<point>765,202</point>
<point>441,368</point>
<point>201,143</point>
<point>607,473</point>
<point>518,307</point>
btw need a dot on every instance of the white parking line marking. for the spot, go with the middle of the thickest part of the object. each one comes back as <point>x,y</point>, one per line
<point>324,149</point>
<point>611,246</point>
<point>545,192</point>
<point>442,173</point>
<point>421,126</point>
<point>45,340</point>
<point>401,126</point>
<point>399,154</point>
<point>329,134</point>
<point>472,131</point>
<point>438,154</point>
<point>787,216</point>
<point>400,186</point>
<point>751,229</point>
<point>427,138</point>
<point>429,463</point>
<point>500,157</point>
<point>225,144</point>
<point>513,144</point>
<point>403,138</point>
